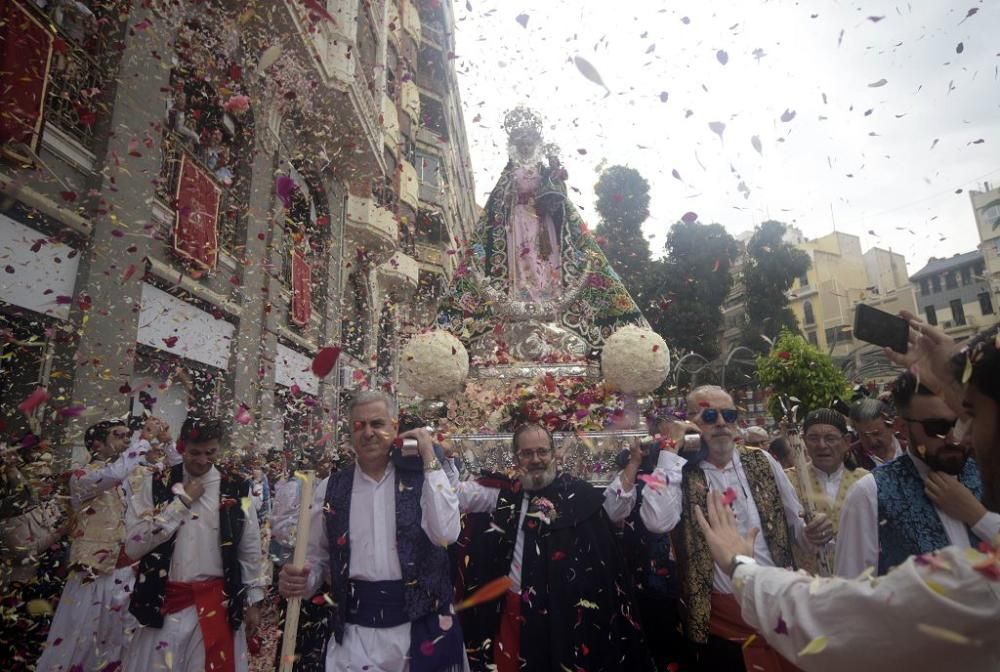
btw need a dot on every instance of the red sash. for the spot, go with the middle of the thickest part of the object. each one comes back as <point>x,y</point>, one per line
<point>506,651</point>
<point>727,622</point>
<point>208,598</point>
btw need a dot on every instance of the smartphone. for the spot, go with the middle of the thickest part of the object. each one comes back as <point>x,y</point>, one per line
<point>881,328</point>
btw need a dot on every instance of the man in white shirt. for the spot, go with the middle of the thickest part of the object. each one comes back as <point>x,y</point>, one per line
<point>379,530</point>
<point>761,496</point>
<point>88,630</point>
<point>894,513</point>
<point>200,571</point>
<point>825,481</point>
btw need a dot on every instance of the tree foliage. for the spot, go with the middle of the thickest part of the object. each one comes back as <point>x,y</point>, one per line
<point>771,266</point>
<point>800,377</point>
<point>623,204</point>
<point>691,285</point>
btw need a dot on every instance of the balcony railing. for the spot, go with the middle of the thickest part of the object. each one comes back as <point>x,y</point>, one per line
<point>76,86</point>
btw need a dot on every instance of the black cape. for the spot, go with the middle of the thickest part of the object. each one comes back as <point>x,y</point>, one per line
<point>577,604</point>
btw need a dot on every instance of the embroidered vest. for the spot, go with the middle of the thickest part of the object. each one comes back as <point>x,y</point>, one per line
<point>694,558</point>
<point>425,566</point>
<point>98,532</point>
<point>154,568</point>
<point>814,563</point>
<point>908,523</point>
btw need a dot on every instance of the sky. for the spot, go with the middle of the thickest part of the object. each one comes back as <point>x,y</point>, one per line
<point>870,116</point>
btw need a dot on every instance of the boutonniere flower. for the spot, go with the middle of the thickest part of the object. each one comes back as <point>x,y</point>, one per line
<point>543,509</point>
<point>227,502</point>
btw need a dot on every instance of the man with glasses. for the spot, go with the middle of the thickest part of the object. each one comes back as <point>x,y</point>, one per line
<point>876,444</point>
<point>569,604</point>
<point>922,502</point>
<point>826,481</point>
<point>88,630</point>
<point>754,485</point>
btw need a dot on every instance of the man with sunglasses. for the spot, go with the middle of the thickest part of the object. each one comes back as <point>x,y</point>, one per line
<point>88,629</point>
<point>924,501</point>
<point>754,485</point>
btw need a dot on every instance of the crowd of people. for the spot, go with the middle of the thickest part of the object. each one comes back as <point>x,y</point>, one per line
<point>686,561</point>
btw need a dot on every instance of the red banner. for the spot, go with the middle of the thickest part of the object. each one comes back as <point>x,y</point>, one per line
<point>196,235</point>
<point>25,54</point>
<point>301,289</point>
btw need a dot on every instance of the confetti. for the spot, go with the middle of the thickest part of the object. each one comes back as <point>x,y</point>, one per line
<point>815,646</point>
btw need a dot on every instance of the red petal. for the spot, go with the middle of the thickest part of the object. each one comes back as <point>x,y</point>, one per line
<point>325,360</point>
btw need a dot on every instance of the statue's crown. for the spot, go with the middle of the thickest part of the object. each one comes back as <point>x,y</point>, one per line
<point>522,119</point>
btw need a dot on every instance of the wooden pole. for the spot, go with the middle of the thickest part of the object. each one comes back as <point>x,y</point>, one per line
<point>298,560</point>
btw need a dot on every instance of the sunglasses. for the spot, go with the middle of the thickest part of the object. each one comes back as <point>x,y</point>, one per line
<point>935,426</point>
<point>711,415</point>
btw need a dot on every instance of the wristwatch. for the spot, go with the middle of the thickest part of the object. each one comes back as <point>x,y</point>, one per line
<point>740,560</point>
<point>433,465</point>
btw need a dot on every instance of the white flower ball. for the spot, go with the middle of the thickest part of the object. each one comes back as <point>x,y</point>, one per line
<point>635,360</point>
<point>434,364</point>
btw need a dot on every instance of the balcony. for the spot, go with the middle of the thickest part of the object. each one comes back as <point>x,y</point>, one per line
<point>409,185</point>
<point>411,20</point>
<point>390,125</point>
<point>399,274</point>
<point>73,77</point>
<point>409,96</point>
<point>432,193</point>
<point>429,254</point>
<point>372,228</point>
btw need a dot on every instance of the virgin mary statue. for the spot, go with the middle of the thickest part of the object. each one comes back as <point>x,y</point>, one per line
<point>531,256</point>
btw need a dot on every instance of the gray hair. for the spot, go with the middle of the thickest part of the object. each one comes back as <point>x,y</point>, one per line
<point>699,391</point>
<point>370,397</point>
<point>866,410</point>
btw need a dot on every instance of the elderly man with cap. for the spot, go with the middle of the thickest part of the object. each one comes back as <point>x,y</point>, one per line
<point>757,437</point>
<point>823,486</point>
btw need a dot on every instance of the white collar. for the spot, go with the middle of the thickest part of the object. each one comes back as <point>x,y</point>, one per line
<point>389,471</point>
<point>838,474</point>
<point>733,463</point>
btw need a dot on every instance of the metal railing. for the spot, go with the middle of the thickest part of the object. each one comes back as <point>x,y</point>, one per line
<point>75,91</point>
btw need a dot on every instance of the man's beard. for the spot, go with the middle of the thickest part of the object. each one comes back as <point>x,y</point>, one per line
<point>536,480</point>
<point>947,465</point>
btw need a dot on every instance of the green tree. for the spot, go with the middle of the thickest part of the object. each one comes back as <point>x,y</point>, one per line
<point>623,204</point>
<point>800,377</point>
<point>771,266</point>
<point>690,286</point>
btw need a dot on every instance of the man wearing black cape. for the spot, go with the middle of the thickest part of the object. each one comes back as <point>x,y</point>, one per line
<point>570,602</point>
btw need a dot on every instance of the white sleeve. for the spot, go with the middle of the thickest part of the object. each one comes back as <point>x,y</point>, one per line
<point>988,527</point>
<point>173,456</point>
<point>475,498</point>
<point>440,517</point>
<point>97,479</point>
<point>251,562</point>
<point>145,526</point>
<point>318,553</point>
<point>918,604</point>
<point>662,505</point>
<point>618,504</point>
<point>791,504</point>
<point>857,537</point>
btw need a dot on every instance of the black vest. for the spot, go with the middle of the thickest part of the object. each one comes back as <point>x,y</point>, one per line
<point>151,583</point>
<point>424,565</point>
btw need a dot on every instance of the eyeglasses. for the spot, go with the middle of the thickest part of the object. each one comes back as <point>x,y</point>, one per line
<point>711,415</point>
<point>828,439</point>
<point>935,426</point>
<point>528,454</point>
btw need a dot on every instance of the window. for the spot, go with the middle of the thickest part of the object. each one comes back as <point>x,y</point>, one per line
<point>981,267</point>
<point>986,303</point>
<point>931,314</point>
<point>838,335</point>
<point>966,276</point>
<point>991,216</point>
<point>936,283</point>
<point>428,169</point>
<point>925,287</point>
<point>813,339</point>
<point>804,280</point>
<point>949,280</point>
<point>957,312</point>
<point>807,308</point>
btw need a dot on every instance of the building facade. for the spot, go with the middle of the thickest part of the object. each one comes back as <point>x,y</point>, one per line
<point>955,294</point>
<point>986,210</point>
<point>840,278</point>
<point>197,197</point>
